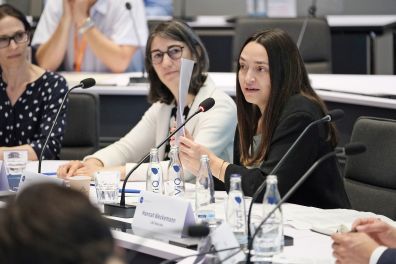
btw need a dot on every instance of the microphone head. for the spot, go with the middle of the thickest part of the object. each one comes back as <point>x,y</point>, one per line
<point>206,104</point>
<point>354,148</point>
<point>128,6</point>
<point>335,114</point>
<point>198,230</point>
<point>87,83</point>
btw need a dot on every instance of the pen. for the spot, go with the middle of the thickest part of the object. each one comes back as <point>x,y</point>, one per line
<point>130,191</point>
<point>49,173</point>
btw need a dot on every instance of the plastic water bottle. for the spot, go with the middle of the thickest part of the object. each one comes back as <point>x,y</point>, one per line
<point>175,173</point>
<point>236,212</point>
<point>269,240</point>
<point>204,194</point>
<point>154,181</point>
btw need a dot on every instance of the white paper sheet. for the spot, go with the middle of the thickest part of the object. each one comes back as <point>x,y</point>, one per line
<point>184,83</point>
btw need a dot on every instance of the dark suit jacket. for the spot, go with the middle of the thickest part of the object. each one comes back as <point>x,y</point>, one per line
<point>388,257</point>
<point>324,188</point>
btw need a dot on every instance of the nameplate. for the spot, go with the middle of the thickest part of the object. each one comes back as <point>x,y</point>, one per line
<point>222,238</point>
<point>29,178</point>
<point>3,178</point>
<point>162,215</point>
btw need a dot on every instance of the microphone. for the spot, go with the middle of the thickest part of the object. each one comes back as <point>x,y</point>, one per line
<point>84,84</point>
<point>311,13</point>
<point>349,149</point>
<point>198,230</point>
<point>141,79</point>
<point>127,211</point>
<point>331,116</point>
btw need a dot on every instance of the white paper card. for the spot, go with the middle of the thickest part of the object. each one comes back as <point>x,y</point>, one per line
<point>28,178</point>
<point>3,178</point>
<point>222,238</point>
<point>160,214</point>
<point>184,83</point>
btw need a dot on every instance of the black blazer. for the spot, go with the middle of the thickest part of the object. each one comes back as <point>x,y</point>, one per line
<point>324,188</point>
<point>388,257</point>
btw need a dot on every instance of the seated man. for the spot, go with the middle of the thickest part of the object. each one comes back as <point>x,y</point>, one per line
<point>90,35</point>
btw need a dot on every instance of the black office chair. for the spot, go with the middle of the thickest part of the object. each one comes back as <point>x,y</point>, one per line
<point>370,178</point>
<point>315,47</point>
<point>82,126</point>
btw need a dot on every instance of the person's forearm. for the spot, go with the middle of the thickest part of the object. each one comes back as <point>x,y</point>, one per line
<point>50,54</point>
<point>218,167</point>
<point>31,153</point>
<point>115,57</point>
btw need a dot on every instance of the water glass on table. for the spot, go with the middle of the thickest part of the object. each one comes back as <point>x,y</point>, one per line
<point>15,162</point>
<point>80,183</point>
<point>106,185</point>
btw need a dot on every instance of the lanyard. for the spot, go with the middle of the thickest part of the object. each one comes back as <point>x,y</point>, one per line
<point>79,50</point>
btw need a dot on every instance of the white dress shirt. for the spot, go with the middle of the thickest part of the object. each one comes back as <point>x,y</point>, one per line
<point>109,16</point>
<point>377,254</point>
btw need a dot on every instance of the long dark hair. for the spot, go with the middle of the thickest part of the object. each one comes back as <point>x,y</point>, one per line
<point>288,77</point>
<point>180,31</point>
<point>9,10</point>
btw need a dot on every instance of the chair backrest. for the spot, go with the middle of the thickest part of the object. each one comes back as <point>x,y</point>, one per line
<point>370,178</point>
<point>315,46</point>
<point>82,126</point>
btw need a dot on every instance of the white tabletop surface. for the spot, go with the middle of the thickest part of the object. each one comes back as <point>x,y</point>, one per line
<point>360,20</point>
<point>341,88</point>
<point>309,246</point>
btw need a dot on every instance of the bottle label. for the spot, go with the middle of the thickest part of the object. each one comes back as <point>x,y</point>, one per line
<point>156,178</point>
<point>177,181</point>
<point>205,215</point>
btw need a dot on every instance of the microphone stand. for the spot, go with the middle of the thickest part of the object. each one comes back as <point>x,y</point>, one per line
<point>86,83</point>
<point>311,13</point>
<point>350,149</point>
<point>142,78</point>
<point>326,118</point>
<point>127,211</point>
<point>287,195</point>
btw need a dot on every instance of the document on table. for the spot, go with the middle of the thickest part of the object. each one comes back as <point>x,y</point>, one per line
<point>325,221</point>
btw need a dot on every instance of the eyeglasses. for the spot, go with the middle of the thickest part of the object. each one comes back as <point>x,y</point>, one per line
<point>19,37</point>
<point>174,52</point>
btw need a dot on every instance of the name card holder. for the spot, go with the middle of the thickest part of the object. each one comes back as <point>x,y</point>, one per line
<point>162,215</point>
<point>3,178</point>
<point>28,178</point>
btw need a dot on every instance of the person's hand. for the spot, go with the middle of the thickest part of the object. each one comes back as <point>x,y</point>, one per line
<point>353,248</point>
<point>80,10</point>
<point>88,169</point>
<point>68,169</point>
<point>190,154</point>
<point>381,232</point>
<point>76,167</point>
<point>173,138</point>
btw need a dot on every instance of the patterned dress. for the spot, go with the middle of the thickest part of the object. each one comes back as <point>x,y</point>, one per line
<point>29,120</point>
